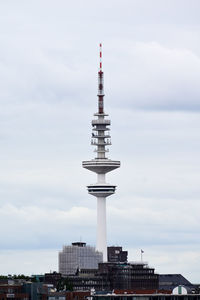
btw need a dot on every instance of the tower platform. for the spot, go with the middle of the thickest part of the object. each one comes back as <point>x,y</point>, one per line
<point>101,166</point>
<point>101,190</point>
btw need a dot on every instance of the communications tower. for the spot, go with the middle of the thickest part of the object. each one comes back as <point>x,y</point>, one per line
<point>101,164</point>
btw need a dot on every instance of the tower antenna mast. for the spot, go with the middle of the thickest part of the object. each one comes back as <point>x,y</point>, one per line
<point>100,84</point>
<point>100,56</point>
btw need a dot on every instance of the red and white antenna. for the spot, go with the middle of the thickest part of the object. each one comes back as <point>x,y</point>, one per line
<point>100,57</point>
<point>100,82</point>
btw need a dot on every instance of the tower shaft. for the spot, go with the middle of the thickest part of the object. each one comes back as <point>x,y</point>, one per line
<point>101,164</point>
<point>101,227</point>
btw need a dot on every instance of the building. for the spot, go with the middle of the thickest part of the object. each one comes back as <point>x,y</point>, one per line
<point>115,274</point>
<point>13,290</point>
<point>101,165</point>
<point>47,291</point>
<point>141,296</point>
<point>52,278</point>
<point>89,281</point>
<point>65,295</point>
<point>101,276</point>
<point>78,256</point>
<point>116,254</point>
<point>170,281</point>
<point>137,275</point>
<point>111,276</point>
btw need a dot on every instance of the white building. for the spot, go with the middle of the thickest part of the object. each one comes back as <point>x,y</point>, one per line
<point>78,256</point>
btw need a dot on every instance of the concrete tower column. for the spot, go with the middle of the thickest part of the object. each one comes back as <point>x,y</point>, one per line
<point>101,227</point>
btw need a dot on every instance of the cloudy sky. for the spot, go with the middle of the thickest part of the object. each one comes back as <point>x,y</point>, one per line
<point>48,87</point>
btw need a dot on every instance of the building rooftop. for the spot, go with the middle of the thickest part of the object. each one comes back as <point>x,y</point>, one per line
<point>79,244</point>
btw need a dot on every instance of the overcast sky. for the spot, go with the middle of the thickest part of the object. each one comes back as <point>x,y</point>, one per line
<point>48,87</point>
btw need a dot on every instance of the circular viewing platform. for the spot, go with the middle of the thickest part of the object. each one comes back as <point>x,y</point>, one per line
<point>101,190</point>
<point>101,166</point>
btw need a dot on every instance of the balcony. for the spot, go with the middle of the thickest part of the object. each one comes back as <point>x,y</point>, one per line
<point>95,136</point>
<point>100,143</point>
<point>100,122</point>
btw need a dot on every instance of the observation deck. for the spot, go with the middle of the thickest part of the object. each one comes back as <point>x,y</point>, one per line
<point>101,190</point>
<point>101,166</point>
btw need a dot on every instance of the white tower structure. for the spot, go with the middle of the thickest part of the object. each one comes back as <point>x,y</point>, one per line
<point>101,165</point>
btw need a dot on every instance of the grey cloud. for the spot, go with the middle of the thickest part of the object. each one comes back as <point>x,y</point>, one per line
<point>155,77</point>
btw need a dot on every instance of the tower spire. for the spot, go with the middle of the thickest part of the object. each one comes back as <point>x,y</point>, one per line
<point>101,165</point>
<point>100,83</point>
<point>100,57</point>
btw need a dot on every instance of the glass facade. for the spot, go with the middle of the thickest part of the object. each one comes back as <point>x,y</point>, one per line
<point>78,256</point>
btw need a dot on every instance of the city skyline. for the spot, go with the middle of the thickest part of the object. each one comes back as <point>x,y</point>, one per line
<point>49,58</point>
